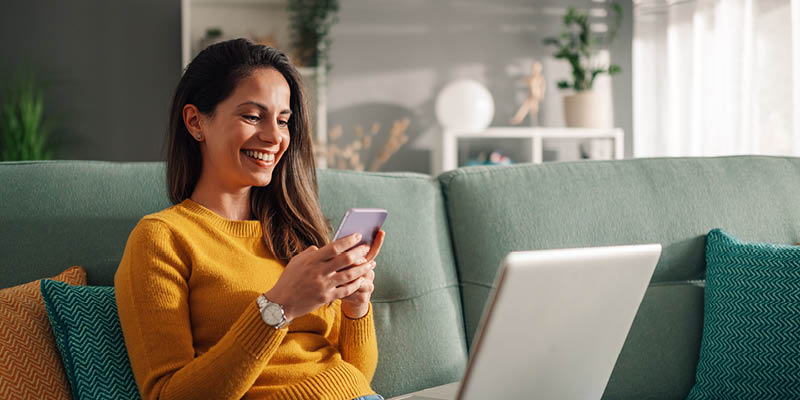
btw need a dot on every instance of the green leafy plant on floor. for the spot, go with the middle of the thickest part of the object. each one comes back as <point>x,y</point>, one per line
<point>579,46</point>
<point>23,131</point>
<point>310,25</point>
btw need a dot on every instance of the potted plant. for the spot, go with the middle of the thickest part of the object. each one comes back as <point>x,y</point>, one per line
<point>579,46</point>
<point>310,25</point>
<point>23,132</point>
<point>213,35</point>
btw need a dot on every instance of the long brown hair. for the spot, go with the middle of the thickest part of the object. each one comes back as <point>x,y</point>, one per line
<point>288,208</point>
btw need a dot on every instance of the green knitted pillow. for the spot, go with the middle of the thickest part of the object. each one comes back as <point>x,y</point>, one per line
<point>89,337</point>
<point>751,328</point>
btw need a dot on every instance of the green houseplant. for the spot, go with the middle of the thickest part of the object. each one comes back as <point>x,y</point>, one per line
<point>23,131</point>
<point>579,46</point>
<point>310,25</point>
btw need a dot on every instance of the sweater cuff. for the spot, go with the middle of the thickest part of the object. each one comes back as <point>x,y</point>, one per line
<point>254,335</point>
<point>358,331</point>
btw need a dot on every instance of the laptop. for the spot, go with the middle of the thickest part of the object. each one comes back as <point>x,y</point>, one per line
<point>554,324</point>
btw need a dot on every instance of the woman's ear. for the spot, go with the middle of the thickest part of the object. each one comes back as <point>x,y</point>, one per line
<point>193,121</point>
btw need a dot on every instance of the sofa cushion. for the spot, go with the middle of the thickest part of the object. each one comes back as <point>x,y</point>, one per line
<point>416,303</point>
<point>31,366</point>
<point>673,201</point>
<point>751,329</point>
<point>87,330</point>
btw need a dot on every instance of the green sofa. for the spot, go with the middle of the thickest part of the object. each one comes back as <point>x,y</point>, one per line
<point>445,238</point>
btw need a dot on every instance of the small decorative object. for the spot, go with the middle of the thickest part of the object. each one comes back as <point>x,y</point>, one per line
<point>497,158</point>
<point>23,131</point>
<point>536,88</point>
<point>579,46</point>
<point>310,24</point>
<point>464,105</point>
<point>213,35</point>
<point>494,158</point>
<point>349,157</point>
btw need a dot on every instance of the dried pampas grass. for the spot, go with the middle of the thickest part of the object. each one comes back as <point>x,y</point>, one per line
<point>349,156</point>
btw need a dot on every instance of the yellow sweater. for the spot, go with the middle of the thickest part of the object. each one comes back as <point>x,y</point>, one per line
<point>186,291</point>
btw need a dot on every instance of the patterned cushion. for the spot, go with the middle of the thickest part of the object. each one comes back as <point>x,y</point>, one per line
<point>89,337</point>
<point>751,328</point>
<point>29,363</point>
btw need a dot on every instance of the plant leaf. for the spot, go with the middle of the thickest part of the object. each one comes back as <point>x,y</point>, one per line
<point>22,129</point>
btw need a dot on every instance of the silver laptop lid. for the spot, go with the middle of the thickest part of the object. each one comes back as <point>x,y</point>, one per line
<point>555,322</point>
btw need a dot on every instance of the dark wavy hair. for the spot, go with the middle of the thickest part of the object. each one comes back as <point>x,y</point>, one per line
<point>288,208</point>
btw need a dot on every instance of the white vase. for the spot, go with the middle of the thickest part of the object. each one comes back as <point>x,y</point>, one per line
<point>588,109</point>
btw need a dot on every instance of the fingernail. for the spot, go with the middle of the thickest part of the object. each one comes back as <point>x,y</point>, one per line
<point>358,236</point>
<point>373,264</point>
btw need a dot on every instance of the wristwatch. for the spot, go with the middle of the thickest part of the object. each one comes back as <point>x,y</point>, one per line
<point>271,313</point>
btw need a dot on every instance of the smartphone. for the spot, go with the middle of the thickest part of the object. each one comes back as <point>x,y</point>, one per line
<point>366,221</point>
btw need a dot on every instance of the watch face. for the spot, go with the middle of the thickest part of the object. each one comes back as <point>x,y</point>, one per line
<point>272,314</point>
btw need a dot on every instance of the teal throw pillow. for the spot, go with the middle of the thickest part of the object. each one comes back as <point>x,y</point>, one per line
<point>751,326</point>
<point>89,337</point>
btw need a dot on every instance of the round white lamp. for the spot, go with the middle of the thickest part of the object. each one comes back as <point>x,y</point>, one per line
<point>465,106</point>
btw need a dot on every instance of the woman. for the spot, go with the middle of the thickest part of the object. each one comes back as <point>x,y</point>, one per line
<point>235,290</point>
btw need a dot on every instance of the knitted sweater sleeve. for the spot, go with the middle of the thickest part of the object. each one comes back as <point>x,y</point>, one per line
<point>358,342</point>
<point>151,285</point>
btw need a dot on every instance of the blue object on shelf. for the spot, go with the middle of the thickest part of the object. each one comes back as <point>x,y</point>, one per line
<point>494,158</point>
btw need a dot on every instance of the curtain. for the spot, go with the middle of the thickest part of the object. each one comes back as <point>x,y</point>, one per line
<point>716,77</point>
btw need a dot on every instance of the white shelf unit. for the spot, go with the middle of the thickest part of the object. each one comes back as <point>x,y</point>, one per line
<point>251,19</point>
<point>534,138</point>
<point>236,18</point>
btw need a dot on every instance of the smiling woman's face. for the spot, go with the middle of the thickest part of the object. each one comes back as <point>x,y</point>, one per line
<point>249,131</point>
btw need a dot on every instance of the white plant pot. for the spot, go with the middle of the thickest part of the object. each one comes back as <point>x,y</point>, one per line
<point>589,109</point>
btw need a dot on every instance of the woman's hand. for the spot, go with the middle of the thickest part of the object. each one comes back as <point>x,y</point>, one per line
<point>356,305</point>
<point>318,276</point>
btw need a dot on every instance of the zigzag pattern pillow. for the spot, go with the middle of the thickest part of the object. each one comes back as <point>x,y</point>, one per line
<point>89,337</point>
<point>30,367</point>
<point>751,328</point>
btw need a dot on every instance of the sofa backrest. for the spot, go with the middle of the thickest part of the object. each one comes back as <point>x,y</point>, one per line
<point>674,202</point>
<point>56,214</point>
